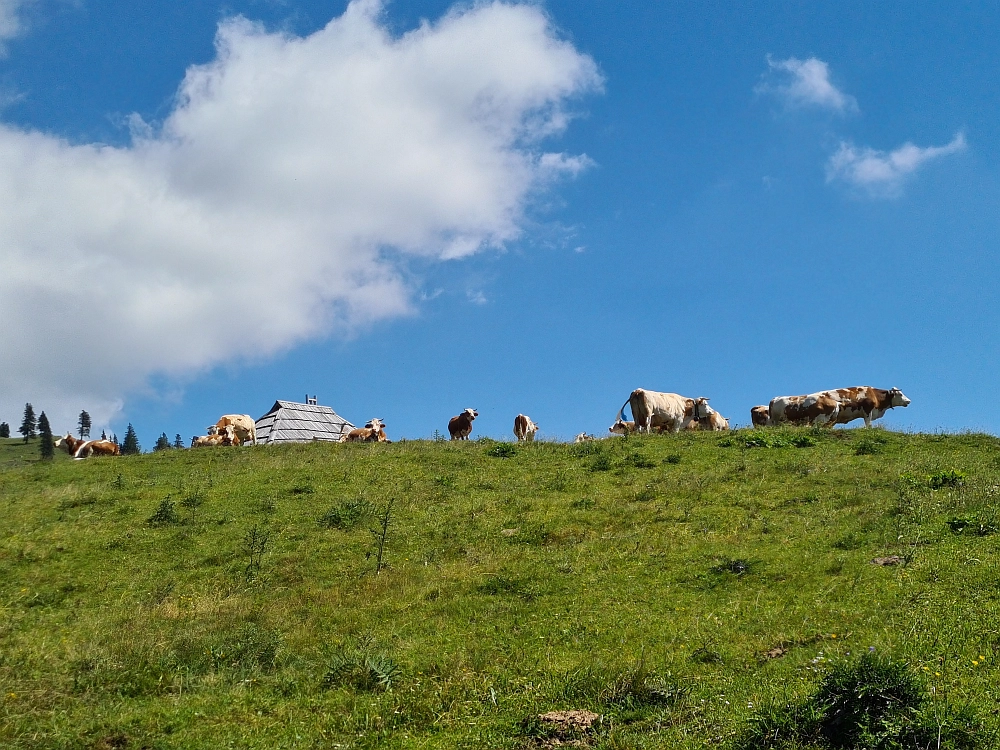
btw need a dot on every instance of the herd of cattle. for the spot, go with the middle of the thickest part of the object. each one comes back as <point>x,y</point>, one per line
<point>651,412</point>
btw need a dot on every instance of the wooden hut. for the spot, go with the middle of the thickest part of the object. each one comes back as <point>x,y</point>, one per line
<point>291,422</point>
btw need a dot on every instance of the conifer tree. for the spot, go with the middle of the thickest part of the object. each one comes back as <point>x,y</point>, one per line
<point>4,430</point>
<point>84,425</point>
<point>131,445</point>
<point>47,446</point>
<point>104,435</point>
<point>162,442</point>
<point>28,423</point>
<point>114,439</point>
<point>178,442</point>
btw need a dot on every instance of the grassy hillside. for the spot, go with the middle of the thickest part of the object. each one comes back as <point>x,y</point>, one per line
<point>689,589</point>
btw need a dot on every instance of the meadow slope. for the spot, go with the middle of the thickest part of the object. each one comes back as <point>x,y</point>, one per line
<point>229,597</point>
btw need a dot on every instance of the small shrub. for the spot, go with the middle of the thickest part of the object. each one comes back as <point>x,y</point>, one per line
<point>871,703</point>
<point>502,450</point>
<point>870,445</point>
<point>673,458</point>
<point>638,460</point>
<point>165,514</point>
<point>946,478</point>
<point>346,515</point>
<point>362,670</point>
<point>975,526</point>
<point>602,463</point>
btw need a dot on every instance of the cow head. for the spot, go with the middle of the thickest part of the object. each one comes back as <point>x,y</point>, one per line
<point>896,398</point>
<point>471,414</point>
<point>375,424</point>
<point>621,427</point>
<point>701,408</point>
<point>212,429</point>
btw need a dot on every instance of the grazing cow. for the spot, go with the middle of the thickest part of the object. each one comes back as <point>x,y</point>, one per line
<point>664,412</point>
<point>524,428</point>
<point>460,427</point>
<point>760,416</point>
<point>372,432</point>
<point>838,406</point>
<point>246,428</point>
<point>583,437</point>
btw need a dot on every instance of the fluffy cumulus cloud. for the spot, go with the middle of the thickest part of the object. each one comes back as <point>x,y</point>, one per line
<point>10,24</point>
<point>804,83</point>
<point>278,201</point>
<point>881,173</point>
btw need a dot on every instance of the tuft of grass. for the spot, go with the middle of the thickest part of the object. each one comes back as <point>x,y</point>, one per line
<point>362,669</point>
<point>502,450</point>
<point>946,478</point>
<point>347,514</point>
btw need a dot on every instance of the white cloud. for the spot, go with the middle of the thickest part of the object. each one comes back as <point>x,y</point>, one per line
<point>805,83</point>
<point>278,201</point>
<point>10,24</point>
<point>882,174</point>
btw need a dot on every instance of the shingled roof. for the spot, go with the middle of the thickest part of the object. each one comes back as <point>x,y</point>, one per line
<point>290,422</point>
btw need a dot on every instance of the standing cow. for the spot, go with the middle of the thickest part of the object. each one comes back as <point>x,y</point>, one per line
<point>243,424</point>
<point>839,406</point>
<point>524,428</point>
<point>460,427</point>
<point>664,412</point>
<point>760,416</point>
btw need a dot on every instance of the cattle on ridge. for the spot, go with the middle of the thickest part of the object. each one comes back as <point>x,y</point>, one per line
<point>80,449</point>
<point>460,427</point>
<point>372,432</point>
<point>838,406</point>
<point>243,424</point>
<point>667,412</point>
<point>524,428</point>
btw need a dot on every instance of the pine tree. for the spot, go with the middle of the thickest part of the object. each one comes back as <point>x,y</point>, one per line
<point>4,430</point>
<point>84,426</point>
<point>47,446</point>
<point>131,444</point>
<point>162,442</point>
<point>114,439</point>
<point>28,424</point>
<point>178,442</point>
<point>104,435</point>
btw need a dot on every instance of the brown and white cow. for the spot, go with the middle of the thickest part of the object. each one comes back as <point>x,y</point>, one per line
<point>760,416</point>
<point>372,432</point>
<point>621,427</point>
<point>583,437</point>
<point>78,448</point>
<point>207,441</point>
<point>97,448</point>
<point>838,406</point>
<point>704,417</point>
<point>243,424</point>
<point>460,427</point>
<point>663,412</point>
<point>524,428</point>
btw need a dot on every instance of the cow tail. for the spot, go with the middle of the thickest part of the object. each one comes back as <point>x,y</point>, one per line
<point>621,413</point>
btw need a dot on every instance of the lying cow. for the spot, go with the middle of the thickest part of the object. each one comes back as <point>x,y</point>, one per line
<point>760,416</point>
<point>839,406</point>
<point>524,428</point>
<point>583,437</point>
<point>621,427</point>
<point>227,436</point>
<point>664,412</point>
<point>460,427</point>
<point>80,449</point>
<point>704,417</point>
<point>243,424</point>
<point>372,432</point>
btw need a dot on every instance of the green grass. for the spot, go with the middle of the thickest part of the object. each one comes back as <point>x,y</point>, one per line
<point>228,597</point>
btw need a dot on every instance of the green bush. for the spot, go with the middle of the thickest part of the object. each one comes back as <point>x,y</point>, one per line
<point>165,514</point>
<point>870,703</point>
<point>346,515</point>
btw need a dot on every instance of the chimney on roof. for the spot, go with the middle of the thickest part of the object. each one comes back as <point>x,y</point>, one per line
<point>311,400</point>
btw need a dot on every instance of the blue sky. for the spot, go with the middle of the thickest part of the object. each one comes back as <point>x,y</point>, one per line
<point>728,207</point>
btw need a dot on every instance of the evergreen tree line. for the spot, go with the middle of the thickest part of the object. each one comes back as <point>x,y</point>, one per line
<point>32,428</point>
